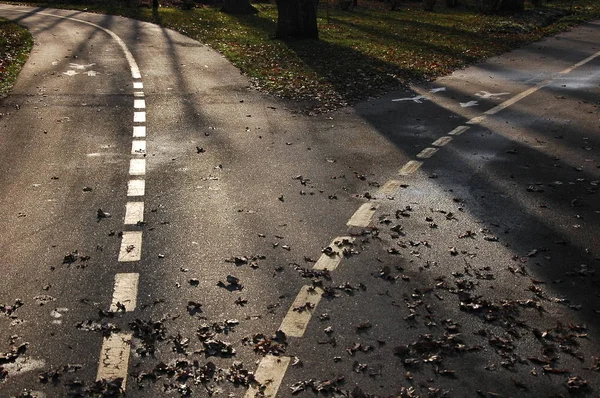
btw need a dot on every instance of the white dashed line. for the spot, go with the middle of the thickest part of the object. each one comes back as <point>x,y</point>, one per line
<point>134,213</point>
<point>362,216</point>
<point>137,167</point>
<point>131,246</point>
<point>139,131</point>
<point>139,104</point>
<point>138,85</point>
<point>138,147</point>
<point>125,292</point>
<point>138,94</point>
<point>459,130</point>
<point>389,188</point>
<point>442,141</point>
<point>296,320</point>
<point>427,153</point>
<point>410,167</point>
<point>269,374</point>
<point>136,187</point>
<point>139,117</point>
<point>331,262</point>
<point>114,357</point>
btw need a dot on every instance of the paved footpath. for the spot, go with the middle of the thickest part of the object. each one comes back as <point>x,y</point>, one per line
<point>167,227</point>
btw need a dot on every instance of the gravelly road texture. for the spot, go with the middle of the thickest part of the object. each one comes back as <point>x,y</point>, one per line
<point>440,241</point>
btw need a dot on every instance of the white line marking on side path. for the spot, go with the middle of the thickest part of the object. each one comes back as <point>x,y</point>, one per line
<point>136,187</point>
<point>134,213</point>
<point>410,167</point>
<point>137,167</point>
<point>442,141</point>
<point>139,131</point>
<point>269,373</point>
<point>131,246</point>
<point>139,104</point>
<point>138,147</point>
<point>138,85</point>
<point>139,117</point>
<point>125,292</point>
<point>331,262</point>
<point>114,357</point>
<point>427,153</point>
<point>138,94</point>
<point>459,130</point>
<point>296,320</point>
<point>362,216</point>
<point>389,188</point>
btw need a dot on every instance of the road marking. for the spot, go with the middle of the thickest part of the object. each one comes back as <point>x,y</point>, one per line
<point>139,104</point>
<point>362,216</point>
<point>138,94</point>
<point>139,117</point>
<point>138,85</point>
<point>139,131</point>
<point>442,141</point>
<point>136,187</point>
<point>296,320</point>
<point>138,147</point>
<point>131,246</point>
<point>125,292</point>
<point>114,357</point>
<point>389,188</point>
<point>417,99</point>
<point>134,213</point>
<point>427,153</point>
<point>269,374</point>
<point>137,167</point>
<point>331,262</point>
<point>459,130</point>
<point>410,167</point>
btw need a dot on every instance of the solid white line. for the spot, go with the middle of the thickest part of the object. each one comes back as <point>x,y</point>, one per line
<point>138,85</point>
<point>131,246</point>
<point>295,322</point>
<point>136,187</point>
<point>269,374</point>
<point>442,141</point>
<point>410,167</point>
<point>459,130</point>
<point>139,117</point>
<point>134,213</point>
<point>427,153</point>
<point>139,104</point>
<point>331,262</point>
<point>389,188</point>
<point>137,167</point>
<point>125,292</point>
<point>139,131</point>
<point>362,216</point>
<point>138,147</point>
<point>114,357</point>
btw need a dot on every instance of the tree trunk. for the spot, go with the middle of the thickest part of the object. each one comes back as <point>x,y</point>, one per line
<point>238,7</point>
<point>297,19</point>
<point>512,5</point>
<point>428,5</point>
<point>155,4</point>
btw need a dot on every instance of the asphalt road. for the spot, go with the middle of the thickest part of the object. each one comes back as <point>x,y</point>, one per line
<point>161,222</point>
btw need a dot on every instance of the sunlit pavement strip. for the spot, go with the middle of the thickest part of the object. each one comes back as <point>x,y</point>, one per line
<point>295,322</point>
<point>330,263</point>
<point>362,216</point>
<point>125,292</point>
<point>269,373</point>
<point>114,357</point>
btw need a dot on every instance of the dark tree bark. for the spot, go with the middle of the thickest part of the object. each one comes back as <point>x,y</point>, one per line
<point>513,5</point>
<point>155,4</point>
<point>428,5</point>
<point>297,19</point>
<point>238,7</point>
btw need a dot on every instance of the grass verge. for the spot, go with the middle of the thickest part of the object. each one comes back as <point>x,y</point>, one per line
<point>15,45</point>
<point>361,53</point>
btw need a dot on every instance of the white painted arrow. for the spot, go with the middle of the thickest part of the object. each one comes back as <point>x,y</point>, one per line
<point>437,90</point>
<point>416,99</point>
<point>486,94</point>
<point>92,73</point>
<point>70,73</point>
<point>81,66</point>
<point>468,104</point>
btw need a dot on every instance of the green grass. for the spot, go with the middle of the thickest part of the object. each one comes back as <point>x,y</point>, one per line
<point>361,53</point>
<point>15,44</point>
